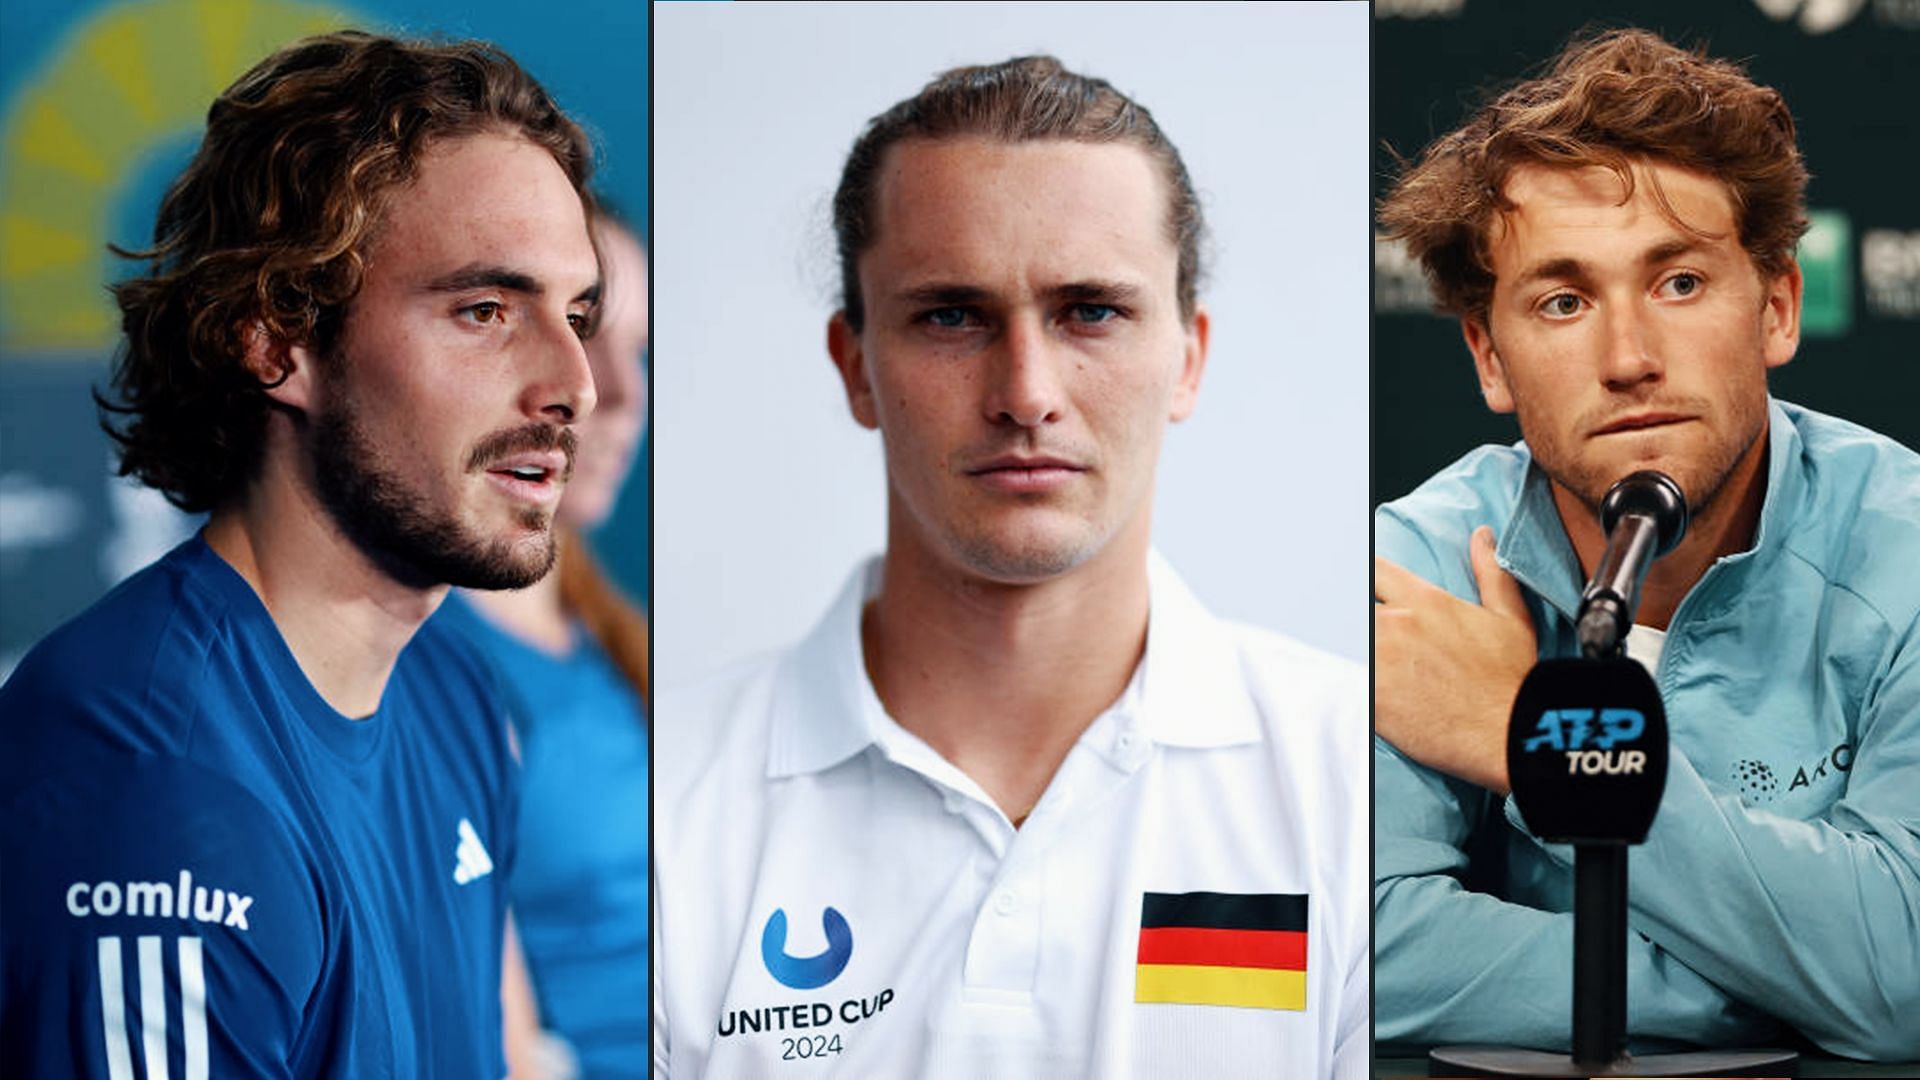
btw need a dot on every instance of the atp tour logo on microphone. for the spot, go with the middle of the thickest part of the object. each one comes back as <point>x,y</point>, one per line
<point>1590,741</point>
<point>1587,750</point>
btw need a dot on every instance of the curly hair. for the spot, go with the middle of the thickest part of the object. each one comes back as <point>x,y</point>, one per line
<point>1019,100</point>
<point>1608,100</point>
<point>266,231</point>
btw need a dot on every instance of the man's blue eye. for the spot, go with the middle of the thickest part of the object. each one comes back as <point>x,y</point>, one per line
<point>951,318</point>
<point>1094,313</point>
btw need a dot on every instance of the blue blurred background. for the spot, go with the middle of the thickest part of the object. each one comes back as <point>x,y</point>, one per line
<point>102,102</point>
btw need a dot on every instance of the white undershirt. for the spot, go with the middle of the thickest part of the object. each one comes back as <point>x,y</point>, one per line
<point>1644,644</point>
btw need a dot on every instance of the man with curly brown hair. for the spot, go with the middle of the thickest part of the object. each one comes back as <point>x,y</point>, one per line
<point>1617,238</point>
<point>258,820</point>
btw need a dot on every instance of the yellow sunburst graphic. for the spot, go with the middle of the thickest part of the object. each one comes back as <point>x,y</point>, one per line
<point>121,83</point>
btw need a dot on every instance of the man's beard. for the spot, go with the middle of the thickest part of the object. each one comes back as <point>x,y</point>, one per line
<point>1702,476</point>
<point>395,526</point>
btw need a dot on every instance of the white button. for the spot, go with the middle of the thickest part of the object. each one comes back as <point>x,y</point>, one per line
<point>952,803</point>
<point>1006,902</point>
<point>1125,741</point>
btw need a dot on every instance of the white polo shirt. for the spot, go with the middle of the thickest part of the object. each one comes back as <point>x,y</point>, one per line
<point>832,897</point>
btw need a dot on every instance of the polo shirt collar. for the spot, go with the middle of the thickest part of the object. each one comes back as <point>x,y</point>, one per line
<point>1192,692</point>
<point>824,706</point>
<point>1196,689</point>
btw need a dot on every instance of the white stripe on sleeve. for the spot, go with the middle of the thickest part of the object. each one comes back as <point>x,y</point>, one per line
<point>153,1008</point>
<point>113,1011</point>
<point>193,1007</point>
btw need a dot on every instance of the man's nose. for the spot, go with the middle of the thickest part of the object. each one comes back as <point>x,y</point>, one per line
<point>1024,372</point>
<point>559,387</point>
<point>1633,348</point>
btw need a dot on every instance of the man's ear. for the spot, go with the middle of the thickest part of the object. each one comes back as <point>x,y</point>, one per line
<point>1486,364</point>
<point>1193,364</point>
<point>843,345</point>
<point>285,370</point>
<point>1780,319</point>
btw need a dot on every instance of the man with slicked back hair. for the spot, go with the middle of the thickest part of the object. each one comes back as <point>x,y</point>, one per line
<point>1018,806</point>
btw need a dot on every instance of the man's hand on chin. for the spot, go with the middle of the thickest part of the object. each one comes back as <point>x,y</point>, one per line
<point>1445,671</point>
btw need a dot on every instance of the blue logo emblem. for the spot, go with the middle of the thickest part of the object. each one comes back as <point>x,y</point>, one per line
<point>1576,729</point>
<point>806,972</point>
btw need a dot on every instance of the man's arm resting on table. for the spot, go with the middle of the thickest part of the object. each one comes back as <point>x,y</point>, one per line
<point>1453,966</point>
<point>1818,920</point>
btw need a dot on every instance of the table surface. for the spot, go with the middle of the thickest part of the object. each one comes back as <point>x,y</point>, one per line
<point>1812,1065</point>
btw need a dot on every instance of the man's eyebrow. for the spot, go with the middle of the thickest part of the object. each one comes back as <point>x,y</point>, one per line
<point>1098,292</point>
<point>1669,250</point>
<point>1564,268</point>
<point>493,276</point>
<point>1088,291</point>
<point>487,276</point>
<point>942,293</point>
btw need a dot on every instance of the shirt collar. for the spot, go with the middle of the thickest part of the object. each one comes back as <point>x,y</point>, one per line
<point>1191,692</point>
<point>824,706</point>
<point>1195,693</point>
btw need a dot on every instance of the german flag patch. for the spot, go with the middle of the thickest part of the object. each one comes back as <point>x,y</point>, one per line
<point>1208,948</point>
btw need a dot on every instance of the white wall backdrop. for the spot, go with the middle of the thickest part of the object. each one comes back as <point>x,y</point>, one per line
<point>767,492</point>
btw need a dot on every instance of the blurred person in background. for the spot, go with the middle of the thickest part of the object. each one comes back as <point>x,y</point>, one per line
<point>571,652</point>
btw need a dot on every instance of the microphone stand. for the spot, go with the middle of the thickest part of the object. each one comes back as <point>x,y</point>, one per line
<point>1601,813</point>
<point>1600,938</point>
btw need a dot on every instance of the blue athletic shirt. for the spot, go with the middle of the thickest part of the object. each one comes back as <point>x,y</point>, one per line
<point>210,872</point>
<point>579,888</point>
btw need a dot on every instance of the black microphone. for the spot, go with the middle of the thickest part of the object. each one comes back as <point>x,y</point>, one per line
<point>1644,516</point>
<point>1587,750</point>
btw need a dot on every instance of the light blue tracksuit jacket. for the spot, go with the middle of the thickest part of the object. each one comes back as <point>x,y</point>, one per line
<point>1781,880</point>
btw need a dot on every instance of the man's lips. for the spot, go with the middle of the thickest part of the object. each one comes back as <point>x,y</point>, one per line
<point>1020,461</point>
<point>536,476</point>
<point>1025,474</point>
<point>1640,421</point>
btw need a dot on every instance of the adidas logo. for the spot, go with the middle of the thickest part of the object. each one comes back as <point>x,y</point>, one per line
<point>470,859</point>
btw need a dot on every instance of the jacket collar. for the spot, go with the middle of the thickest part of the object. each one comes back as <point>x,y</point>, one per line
<point>1534,548</point>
